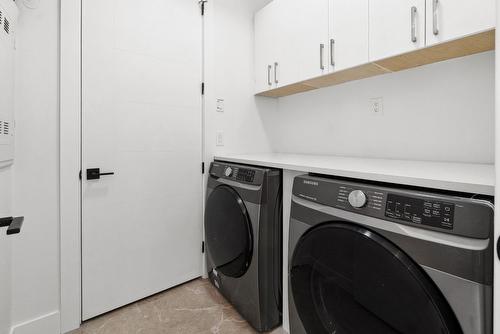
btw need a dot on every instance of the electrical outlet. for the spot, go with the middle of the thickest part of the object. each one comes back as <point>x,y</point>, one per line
<point>219,138</point>
<point>377,105</point>
<point>220,105</point>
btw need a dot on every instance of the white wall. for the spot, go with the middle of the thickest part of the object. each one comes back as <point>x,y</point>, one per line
<point>442,112</point>
<point>35,253</point>
<point>230,76</point>
<point>5,251</point>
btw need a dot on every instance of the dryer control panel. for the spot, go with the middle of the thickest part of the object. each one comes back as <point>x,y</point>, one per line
<point>237,173</point>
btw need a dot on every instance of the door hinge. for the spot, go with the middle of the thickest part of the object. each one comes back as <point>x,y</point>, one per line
<point>202,88</point>
<point>202,168</point>
<point>80,175</point>
<point>202,6</point>
<point>203,247</point>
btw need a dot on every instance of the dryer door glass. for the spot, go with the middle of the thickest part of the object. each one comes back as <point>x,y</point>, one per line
<point>228,232</point>
<point>346,279</point>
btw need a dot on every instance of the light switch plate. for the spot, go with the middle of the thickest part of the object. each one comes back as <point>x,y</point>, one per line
<point>219,138</point>
<point>220,105</point>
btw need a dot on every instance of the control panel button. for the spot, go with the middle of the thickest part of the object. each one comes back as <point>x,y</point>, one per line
<point>228,171</point>
<point>419,211</point>
<point>246,175</point>
<point>357,199</point>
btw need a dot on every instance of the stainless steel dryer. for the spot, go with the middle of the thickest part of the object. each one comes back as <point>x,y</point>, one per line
<point>369,258</point>
<point>243,236</point>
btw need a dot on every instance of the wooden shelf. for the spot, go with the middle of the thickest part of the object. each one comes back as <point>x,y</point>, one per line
<point>465,46</point>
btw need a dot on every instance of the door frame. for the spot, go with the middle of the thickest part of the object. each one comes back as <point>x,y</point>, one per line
<point>70,164</point>
<point>70,161</point>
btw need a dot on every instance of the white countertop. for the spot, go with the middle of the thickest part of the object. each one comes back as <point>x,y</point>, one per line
<point>464,177</point>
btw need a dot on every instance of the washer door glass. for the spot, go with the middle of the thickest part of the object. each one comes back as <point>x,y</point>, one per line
<point>346,279</point>
<point>228,232</point>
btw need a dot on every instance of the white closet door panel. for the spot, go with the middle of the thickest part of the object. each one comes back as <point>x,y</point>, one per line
<point>266,33</point>
<point>451,19</point>
<point>391,27</point>
<point>313,32</point>
<point>288,49</point>
<point>349,32</point>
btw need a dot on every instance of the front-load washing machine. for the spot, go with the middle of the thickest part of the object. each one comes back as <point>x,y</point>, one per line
<point>371,258</point>
<point>243,237</point>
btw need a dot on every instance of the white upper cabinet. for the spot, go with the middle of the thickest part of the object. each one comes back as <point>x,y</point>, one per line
<point>348,44</point>
<point>299,40</point>
<point>276,47</point>
<point>451,19</point>
<point>396,26</point>
<point>266,35</point>
<point>312,37</point>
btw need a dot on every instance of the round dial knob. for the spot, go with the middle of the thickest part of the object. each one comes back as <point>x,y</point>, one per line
<point>228,171</point>
<point>357,199</point>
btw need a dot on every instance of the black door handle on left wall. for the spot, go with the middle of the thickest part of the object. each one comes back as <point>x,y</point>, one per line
<point>14,224</point>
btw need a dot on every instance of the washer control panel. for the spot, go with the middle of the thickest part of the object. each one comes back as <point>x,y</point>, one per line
<point>420,211</point>
<point>439,211</point>
<point>379,203</point>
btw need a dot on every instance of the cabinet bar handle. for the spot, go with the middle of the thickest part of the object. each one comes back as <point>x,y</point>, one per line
<point>276,72</point>
<point>435,28</point>
<point>321,54</point>
<point>332,52</point>
<point>414,24</point>
<point>269,67</point>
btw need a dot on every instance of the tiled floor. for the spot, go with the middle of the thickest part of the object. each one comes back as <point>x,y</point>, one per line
<point>192,308</point>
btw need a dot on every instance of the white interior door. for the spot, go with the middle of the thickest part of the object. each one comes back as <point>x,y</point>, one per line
<point>141,118</point>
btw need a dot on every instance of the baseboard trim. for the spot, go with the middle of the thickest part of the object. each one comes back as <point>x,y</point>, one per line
<point>45,324</point>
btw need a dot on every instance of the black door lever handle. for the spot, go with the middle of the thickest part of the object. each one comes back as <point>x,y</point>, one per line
<point>14,224</point>
<point>95,173</point>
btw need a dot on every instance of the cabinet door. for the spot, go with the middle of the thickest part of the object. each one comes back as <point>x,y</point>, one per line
<point>312,37</point>
<point>348,45</point>
<point>396,26</point>
<point>288,48</point>
<point>451,19</point>
<point>265,46</point>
